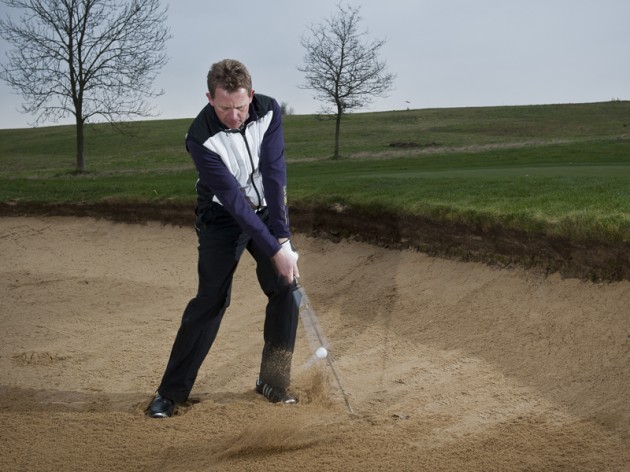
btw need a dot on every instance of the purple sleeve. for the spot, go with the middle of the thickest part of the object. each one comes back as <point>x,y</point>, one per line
<point>214,174</point>
<point>273,170</point>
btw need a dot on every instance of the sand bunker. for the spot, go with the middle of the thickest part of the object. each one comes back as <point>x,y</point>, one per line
<point>447,365</point>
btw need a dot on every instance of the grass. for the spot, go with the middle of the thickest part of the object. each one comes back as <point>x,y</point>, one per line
<point>578,191</point>
<point>552,169</point>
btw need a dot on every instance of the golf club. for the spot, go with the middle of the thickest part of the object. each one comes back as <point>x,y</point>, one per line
<point>315,335</point>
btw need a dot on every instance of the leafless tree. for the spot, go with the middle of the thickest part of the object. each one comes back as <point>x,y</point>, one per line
<point>87,58</point>
<point>342,65</point>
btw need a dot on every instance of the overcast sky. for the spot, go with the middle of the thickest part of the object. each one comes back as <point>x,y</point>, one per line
<point>445,53</point>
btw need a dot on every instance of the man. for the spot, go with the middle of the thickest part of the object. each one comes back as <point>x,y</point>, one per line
<point>237,145</point>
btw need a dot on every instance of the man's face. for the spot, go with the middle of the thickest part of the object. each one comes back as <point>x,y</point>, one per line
<point>231,108</point>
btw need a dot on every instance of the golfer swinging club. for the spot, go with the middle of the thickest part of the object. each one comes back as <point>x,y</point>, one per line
<point>237,145</point>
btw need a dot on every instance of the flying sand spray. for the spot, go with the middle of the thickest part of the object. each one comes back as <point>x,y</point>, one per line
<point>316,339</point>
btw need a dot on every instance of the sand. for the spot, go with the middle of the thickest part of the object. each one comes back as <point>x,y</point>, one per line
<point>445,365</point>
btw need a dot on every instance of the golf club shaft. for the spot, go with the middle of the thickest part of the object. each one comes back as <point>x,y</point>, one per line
<point>316,338</point>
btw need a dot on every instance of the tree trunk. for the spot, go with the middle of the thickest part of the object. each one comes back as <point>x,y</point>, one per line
<point>80,141</point>
<point>337,127</point>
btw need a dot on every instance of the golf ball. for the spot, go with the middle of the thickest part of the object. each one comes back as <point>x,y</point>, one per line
<point>321,352</point>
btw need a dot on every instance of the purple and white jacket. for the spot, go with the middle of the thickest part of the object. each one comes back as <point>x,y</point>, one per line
<point>244,170</point>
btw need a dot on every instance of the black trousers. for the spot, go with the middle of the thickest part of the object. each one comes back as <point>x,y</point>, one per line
<point>221,244</point>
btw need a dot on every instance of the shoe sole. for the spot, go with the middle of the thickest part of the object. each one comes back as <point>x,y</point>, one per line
<point>159,415</point>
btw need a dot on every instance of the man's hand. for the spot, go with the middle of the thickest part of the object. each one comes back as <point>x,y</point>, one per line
<point>285,261</point>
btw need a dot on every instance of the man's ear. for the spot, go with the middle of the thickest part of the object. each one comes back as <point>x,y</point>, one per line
<point>209,96</point>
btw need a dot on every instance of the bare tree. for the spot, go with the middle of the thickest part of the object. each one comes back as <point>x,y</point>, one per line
<point>342,65</point>
<point>87,58</point>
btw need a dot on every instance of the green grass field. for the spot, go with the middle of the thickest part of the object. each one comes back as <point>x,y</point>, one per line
<point>551,169</point>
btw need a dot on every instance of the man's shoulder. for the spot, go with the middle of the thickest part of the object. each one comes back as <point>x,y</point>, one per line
<point>204,126</point>
<point>263,104</point>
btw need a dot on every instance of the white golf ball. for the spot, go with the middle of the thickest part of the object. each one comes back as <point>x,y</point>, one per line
<point>321,352</point>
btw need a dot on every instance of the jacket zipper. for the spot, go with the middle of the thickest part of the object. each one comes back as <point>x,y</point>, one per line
<point>251,176</point>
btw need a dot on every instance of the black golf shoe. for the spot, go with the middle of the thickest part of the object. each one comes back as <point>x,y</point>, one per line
<point>275,395</point>
<point>161,407</point>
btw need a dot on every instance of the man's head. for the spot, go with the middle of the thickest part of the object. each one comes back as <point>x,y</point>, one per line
<point>230,92</point>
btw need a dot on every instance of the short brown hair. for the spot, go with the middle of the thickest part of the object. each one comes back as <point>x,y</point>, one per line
<point>230,75</point>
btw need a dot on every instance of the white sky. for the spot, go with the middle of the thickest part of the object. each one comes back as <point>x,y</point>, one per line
<point>445,53</point>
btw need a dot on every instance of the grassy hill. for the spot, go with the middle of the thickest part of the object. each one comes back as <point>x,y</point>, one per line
<point>545,185</point>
